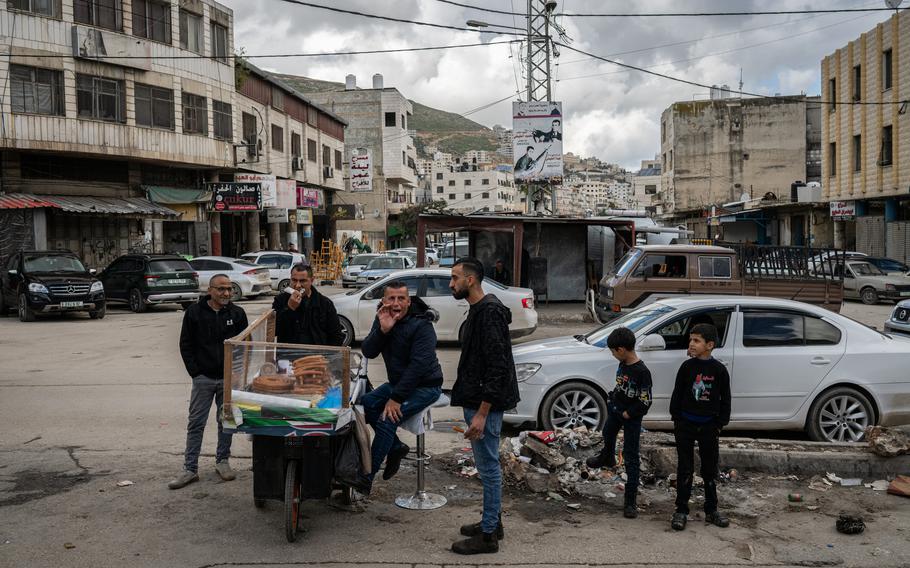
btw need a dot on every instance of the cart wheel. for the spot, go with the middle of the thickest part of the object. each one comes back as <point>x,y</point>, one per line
<point>259,503</point>
<point>291,501</point>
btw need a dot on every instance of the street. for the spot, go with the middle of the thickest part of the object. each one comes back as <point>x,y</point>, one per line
<point>89,404</point>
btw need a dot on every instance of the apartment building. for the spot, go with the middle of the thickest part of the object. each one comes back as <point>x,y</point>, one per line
<point>468,191</point>
<point>646,188</point>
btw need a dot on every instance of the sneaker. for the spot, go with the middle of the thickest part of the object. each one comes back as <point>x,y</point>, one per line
<point>600,460</point>
<point>183,479</point>
<point>679,521</point>
<point>393,462</point>
<point>630,511</point>
<point>717,520</point>
<point>483,543</point>
<point>630,507</point>
<point>224,471</point>
<point>475,529</point>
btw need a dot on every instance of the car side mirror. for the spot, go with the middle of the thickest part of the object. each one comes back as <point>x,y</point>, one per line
<point>653,342</point>
<point>433,315</point>
<point>92,271</point>
<point>13,272</point>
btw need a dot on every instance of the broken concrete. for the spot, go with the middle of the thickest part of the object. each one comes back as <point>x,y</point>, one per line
<point>887,442</point>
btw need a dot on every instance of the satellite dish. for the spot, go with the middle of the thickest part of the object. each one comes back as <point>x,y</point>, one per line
<point>893,4</point>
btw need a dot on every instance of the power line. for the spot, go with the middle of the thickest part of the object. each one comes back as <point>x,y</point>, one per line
<point>488,105</point>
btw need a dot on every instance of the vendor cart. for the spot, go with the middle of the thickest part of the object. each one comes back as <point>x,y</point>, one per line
<point>296,402</point>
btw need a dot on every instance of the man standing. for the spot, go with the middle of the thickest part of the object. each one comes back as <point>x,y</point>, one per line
<point>403,334</point>
<point>206,325</point>
<point>306,316</point>
<point>486,387</point>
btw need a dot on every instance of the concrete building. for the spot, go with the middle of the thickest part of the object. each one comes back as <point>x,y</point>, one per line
<point>377,134</point>
<point>866,140</point>
<point>439,161</point>
<point>475,190</point>
<point>504,136</point>
<point>646,188</point>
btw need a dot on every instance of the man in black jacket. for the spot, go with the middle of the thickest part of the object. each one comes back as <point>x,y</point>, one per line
<point>206,325</point>
<point>486,387</point>
<point>403,334</point>
<point>306,316</point>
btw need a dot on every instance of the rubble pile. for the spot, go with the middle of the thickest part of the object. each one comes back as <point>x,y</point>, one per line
<point>887,442</point>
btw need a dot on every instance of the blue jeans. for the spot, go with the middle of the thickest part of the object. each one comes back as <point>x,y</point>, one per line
<point>486,458</point>
<point>631,434</point>
<point>386,438</point>
<point>204,390</point>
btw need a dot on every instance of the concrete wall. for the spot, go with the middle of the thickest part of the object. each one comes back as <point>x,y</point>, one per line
<point>565,247</point>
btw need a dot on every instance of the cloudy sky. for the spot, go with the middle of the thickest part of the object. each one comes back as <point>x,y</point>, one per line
<point>611,113</point>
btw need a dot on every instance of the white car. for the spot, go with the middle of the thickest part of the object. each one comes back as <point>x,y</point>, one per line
<point>793,366</point>
<point>357,308</point>
<point>247,279</point>
<point>354,267</point>
<point>279,264</point>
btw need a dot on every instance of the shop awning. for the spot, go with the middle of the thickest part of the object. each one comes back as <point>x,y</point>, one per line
<point>165,194</point>
<point>394,231</point>
<point>22,201</point>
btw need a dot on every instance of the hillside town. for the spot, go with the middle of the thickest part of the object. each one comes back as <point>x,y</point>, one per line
<point>278,290</point>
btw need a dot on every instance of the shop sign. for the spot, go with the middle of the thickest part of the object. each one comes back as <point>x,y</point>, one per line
<point>309,197</point>
<point>843,210</point>
<point>276,215</point>
<point>361,171</point>
<point>233,196</point>
<point>343,212</point>
<point>287,194</point>
<point>304,216</point>
<point>269,186</point>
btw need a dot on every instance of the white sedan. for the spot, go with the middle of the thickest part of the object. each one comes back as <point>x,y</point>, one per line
<point>357,309</point>
<point>279,264</point>
<point>247,279</point>
<point>793,366</point>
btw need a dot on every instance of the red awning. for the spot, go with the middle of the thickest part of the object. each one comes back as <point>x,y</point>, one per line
<point>23,201</point>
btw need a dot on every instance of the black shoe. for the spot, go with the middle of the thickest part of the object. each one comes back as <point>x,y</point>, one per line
<point>717,520</point>
<point>679,521</point>
<point>483,543</point>
<point>393,462</point>
<point>630,508</point>
<point>600,460</point>
<point>475,529</point>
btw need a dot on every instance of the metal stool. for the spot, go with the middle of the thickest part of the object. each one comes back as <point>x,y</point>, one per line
<point>419,424</point>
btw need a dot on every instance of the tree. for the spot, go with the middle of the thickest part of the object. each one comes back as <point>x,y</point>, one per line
<point>407,219</point>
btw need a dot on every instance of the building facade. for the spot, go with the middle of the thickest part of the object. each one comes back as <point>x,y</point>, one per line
<point>646,188</point>
<point>475,190</point>
<point>866,139</point>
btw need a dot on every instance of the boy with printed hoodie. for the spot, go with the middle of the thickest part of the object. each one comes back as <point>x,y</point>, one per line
<point>627,404</point>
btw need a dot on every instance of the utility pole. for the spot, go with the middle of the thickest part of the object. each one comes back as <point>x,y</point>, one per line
<point>540,49</point>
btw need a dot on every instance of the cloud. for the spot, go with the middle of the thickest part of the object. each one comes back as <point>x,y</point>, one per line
<point>614,115</point>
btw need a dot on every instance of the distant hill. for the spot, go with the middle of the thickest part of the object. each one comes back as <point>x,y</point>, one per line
<point>448,131</point>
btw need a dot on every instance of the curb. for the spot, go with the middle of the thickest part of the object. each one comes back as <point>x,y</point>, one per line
<point>544,318</point>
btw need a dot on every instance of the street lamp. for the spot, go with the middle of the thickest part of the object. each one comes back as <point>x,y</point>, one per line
<point>481,24</point>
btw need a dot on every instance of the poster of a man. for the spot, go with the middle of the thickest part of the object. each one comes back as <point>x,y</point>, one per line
<point>555,132</point>
<point>537,141</point>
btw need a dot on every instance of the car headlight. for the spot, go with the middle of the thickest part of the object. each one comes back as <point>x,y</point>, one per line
<point>97,287</point>
<point>525,371</point>
<point>609,293</point>
<point>890,287</point>
<point>38,288</point>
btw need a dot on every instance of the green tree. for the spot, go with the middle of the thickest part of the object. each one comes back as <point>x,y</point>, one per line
<point>407,219</point>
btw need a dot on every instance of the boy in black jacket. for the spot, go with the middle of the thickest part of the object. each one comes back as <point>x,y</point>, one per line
<point>700,407</point>
<point>627,404</point>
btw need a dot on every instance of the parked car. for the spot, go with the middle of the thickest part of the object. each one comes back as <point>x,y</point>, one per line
<point>793,366</point>
<point>899,322</point>
<point>354,267</point>
<point>141,280</point>
<point>279,264</point>
<point>358,307</point>
<point>380,267</point>
<point>44,282</point>
<point>430,255</point>
<point>864,281</point>
<point>411,254</point>
<point>888,265</point>
<point>247,279</point>
<point>451,251</point>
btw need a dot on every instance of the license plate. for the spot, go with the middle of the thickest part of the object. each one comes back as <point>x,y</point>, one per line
<point>905,293</point>
<point>175,281</point>
<point>71,304</point>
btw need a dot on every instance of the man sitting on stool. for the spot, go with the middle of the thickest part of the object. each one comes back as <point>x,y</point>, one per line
<point>403,333</point>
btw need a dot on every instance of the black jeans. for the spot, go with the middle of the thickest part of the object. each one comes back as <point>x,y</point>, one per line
<point>631,435</point>
<point>706,435</point>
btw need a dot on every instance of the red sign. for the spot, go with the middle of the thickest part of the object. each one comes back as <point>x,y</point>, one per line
<point>227,197</point>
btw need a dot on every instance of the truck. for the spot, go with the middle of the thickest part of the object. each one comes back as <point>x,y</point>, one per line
<point>648,273</point>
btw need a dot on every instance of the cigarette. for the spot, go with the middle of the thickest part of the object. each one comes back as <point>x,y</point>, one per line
<point>289,290</point>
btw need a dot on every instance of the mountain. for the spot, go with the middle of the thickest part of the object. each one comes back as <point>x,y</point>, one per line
<point>448,131</point>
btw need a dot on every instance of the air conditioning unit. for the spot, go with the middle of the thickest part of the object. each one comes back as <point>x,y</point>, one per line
<point>328,172</point>
<point>297,163</point>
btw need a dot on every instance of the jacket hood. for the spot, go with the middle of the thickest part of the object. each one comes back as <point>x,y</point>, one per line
<point>491,302</point>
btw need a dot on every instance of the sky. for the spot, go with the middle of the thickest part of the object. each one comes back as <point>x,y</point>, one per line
<point>610,112</point>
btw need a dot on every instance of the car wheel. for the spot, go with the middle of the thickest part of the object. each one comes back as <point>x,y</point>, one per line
<point>236,292</point>
<point>869,296</point>
<point>137,304</point>
<point>283,284</point>
<point>99,313</point>
<point>573,404</point>
<point>840,415</point>
<point>348,330</point>
<point>25,312</point>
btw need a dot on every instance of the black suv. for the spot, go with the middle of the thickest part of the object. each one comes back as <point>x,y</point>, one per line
<point>144,279</point>
<point>43,282</point>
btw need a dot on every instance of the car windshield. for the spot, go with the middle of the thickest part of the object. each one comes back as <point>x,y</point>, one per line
<point>865,269</point>
<point>628,260</point>
<point>362,259</point>
<point>385,263</point>
<point>52,263</point>
<point>170,266</point>
<point>633,320</point>
<point>244,263</point>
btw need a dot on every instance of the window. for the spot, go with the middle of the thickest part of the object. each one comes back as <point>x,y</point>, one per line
<point>277,98</point>
<point>249,134</point>
<point>485,181</point>
<point>312,116</point>
<point>403,124</point>
<point>224,123</point>
<point>832,94</point>
<point>652,189</point>
<point>152,20</point>
<point>773,329</point>
<point>467,196</point>
<point>38,91</point>
<point>485,195</point>
<point>191,31</point>
<point>154,106</point>
<point>820,332</point>
<point>326,155</point>
<point>390,119</point>
<point>451,197</point>
<point>676,333</point>
<point>101,13</point>
<point>338,163</point>
<point>439,189</point>
<point>437,287</point>
<point>714,266</point>
<point>100,98</point>
<point>439,175</point>
<point>277,138</point>
<point>413,283</point>
<point>311,150</point>
<point>219,42</point>
<point>885,159</point>
<point>295,144</point>
<point>467,182</point>
<point>275,260</point>
<point>40,7</point>
<point>857,153</point>
<point>832,159</point>
<point>451,183</point>
<point>662,266</point>
<point>195,114</point>
<point>857,83</point>
<point>663,131</point>
<point>404,158</point>
<point>887,76</point>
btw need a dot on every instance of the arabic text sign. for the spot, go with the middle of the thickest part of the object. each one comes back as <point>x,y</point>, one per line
<point>361,171</point>
<point>537,141</point>
<point>227,197</point>
<point>268,183</point>
<point>843,210</point>
<point>309,197</point>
